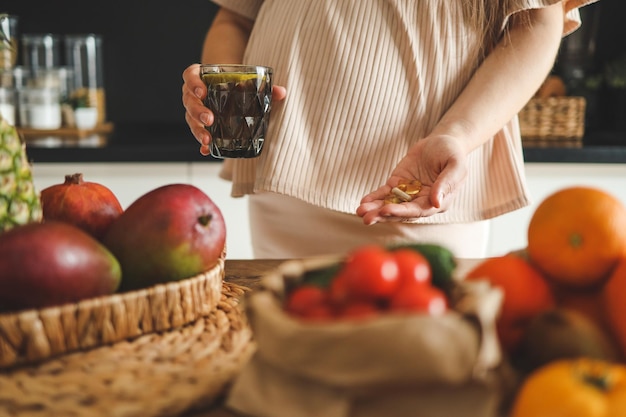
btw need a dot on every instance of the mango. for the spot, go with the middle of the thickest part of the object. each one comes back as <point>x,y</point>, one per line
<point>170,233</point>
<point>46,264</point>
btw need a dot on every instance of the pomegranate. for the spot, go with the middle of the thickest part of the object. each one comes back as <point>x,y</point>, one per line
<point>89,206</point>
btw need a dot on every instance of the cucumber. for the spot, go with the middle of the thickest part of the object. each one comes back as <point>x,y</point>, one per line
<point>321,277</point>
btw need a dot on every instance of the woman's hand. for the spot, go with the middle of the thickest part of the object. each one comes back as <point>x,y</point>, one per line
<point>439,163</point>
<point>197,115</point>
<point>518,65</point>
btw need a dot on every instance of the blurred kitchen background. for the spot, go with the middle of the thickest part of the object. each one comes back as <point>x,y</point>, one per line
<point>146,46</point>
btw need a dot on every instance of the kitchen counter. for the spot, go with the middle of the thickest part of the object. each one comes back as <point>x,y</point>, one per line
<point>174,143</point>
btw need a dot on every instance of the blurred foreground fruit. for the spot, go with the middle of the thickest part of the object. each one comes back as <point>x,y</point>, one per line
<point>526,294</point>
<point>371,272</point>
<point>372,280</point>
<point>590,302</point>
<point>614,297</point>
<point>441,260</point>
<point>576,235</point>
<point>87,205</point>
<point>45,264</point>
<point>170,233</point>
<point>19,201</point>
<point>562,334</point>
<point>573,388</point>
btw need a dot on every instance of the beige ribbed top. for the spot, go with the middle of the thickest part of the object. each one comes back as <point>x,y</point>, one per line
<point>365,79</point>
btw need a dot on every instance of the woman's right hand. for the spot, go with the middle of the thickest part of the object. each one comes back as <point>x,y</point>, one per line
<point>197,115</point>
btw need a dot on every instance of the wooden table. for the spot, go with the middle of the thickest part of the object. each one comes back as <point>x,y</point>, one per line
<point>248,272</point>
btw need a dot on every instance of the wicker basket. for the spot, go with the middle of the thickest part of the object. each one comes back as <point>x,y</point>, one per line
<point>553,121</point>
<point>31,336</point>
<point>154,375</point>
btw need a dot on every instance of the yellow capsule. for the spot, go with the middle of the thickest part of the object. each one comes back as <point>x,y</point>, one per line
<point>411,187</point>
<point>401,194</point>
<point>392,199</point>
<point>405,191</point>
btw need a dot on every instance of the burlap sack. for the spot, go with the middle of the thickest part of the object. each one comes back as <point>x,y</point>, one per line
<point>396,365</point>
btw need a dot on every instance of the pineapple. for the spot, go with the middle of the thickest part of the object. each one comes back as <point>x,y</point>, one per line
<point>19,200</point>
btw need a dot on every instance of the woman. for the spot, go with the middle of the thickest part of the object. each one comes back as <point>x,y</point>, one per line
<point>370,93</point>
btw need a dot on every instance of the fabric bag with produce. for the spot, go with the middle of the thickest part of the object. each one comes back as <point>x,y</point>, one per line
<point>400,356</point>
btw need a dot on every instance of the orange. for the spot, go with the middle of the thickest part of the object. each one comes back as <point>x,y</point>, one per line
<point>576,387</point>
<point>614,297</point>
<point>526,293</point>
<point>576,235</point>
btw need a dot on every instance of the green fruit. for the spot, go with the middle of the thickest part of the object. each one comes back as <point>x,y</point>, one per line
<point>170,233</point>
<point>46,264</point>
<point>442,261</point>
<point>322,277</point>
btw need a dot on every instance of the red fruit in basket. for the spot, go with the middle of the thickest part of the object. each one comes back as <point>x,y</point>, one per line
<point>413,267</point>
<point>371,272</point>
<point>305,298</point>
<point>419,299</point>
<point>170,233</point>
<point>339,290</point>
<point>87,205</point>
<point>45,264</point>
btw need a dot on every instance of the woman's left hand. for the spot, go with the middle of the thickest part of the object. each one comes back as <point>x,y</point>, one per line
<point>439,163</point>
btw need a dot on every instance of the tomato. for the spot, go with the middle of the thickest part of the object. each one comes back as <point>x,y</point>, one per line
<point>338,290</point>
<point>371,272</point>
<point>420,299</point>
<point>414,268</point>
<point>304,299</point>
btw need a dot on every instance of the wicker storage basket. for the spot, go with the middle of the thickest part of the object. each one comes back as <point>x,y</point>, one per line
<point>553,121</point>
<point>31,336</point>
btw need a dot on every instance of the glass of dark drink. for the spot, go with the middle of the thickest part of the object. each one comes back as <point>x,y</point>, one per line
<point>240,97</point>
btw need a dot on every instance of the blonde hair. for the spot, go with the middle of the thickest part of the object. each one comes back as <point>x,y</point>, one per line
<point>488,18</point>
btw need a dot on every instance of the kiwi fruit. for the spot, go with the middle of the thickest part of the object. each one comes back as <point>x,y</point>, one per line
<point>562,333</point>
